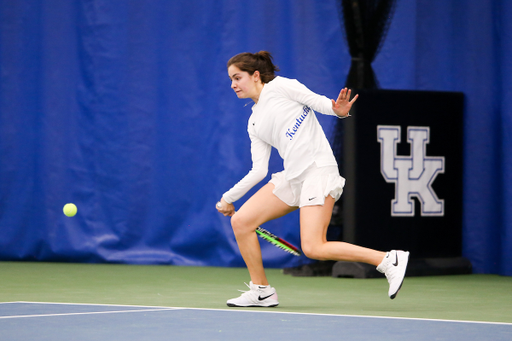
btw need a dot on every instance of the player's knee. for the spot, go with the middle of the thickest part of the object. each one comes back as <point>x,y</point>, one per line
<point>313,250</point>
<point>239,224</point>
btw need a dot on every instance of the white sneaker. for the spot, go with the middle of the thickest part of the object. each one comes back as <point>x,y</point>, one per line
<point>257,296</point>
<point>394,266</point>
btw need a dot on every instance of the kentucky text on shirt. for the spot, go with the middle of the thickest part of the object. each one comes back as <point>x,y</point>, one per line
<point>291,132</point>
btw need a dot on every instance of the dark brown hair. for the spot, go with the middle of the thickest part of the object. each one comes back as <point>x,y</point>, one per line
<point>251,62</point>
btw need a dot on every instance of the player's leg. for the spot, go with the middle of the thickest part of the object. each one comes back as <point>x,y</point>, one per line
<point>263,206</point>
<point>314,221</point>
<point>260,208</point>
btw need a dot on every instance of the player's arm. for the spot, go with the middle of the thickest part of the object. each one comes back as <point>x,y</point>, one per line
<point>260,153</point>
<point>319,103</point>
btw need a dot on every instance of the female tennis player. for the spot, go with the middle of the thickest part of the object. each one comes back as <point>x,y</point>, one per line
<point>283,117</point>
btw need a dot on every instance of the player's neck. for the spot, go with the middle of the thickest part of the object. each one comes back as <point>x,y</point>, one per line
<point>258,89</point>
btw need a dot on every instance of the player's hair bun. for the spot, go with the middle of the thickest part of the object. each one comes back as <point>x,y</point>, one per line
<point>261,61</point>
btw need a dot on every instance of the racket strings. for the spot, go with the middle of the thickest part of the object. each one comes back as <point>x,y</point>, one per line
<point>276,241</point>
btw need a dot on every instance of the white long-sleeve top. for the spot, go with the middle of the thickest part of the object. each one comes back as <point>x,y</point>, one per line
<point>284,118</point>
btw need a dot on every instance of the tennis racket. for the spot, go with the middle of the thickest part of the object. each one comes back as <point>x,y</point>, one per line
<point>279,242</point>
<point>275,240</point>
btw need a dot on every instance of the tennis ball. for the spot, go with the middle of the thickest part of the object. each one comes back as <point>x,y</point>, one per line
<point>69,210</point>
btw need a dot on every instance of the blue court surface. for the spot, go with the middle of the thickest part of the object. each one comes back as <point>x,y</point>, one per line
<point>54,321</point>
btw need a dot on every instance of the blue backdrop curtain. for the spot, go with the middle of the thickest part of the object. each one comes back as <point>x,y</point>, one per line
<point>125,108</point>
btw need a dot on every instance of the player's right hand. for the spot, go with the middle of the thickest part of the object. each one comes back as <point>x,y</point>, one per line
<point>225,208</point>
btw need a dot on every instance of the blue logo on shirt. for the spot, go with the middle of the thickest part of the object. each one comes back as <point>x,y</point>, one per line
<point>290,133</point>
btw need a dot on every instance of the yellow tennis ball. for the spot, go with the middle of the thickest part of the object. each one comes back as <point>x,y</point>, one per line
<point>69,210</point>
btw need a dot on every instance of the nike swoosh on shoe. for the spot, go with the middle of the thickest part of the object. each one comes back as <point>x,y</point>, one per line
<point>264,298</point>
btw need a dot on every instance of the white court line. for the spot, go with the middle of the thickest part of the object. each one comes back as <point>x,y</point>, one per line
<point>99,305</point>
<point>160,308</point>
<point>359,316</point>
<point>86,313</point>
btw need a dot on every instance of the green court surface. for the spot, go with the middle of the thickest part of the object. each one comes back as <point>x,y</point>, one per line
<point>466,298</point>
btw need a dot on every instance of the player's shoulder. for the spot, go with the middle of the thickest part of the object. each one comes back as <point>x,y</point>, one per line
<point>280,81</point>
<point>280,84</point>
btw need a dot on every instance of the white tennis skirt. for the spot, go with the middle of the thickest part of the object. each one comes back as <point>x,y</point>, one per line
<point>310,188</point>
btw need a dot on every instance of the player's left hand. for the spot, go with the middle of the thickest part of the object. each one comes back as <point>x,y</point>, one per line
<point>342,105</point>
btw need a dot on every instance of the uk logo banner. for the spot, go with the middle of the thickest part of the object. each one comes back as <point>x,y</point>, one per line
<point>412,174</point>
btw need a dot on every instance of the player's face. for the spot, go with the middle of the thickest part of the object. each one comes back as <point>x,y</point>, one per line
<point>244,85</point>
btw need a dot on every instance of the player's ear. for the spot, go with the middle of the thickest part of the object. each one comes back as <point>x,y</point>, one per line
<point>256,76</point>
